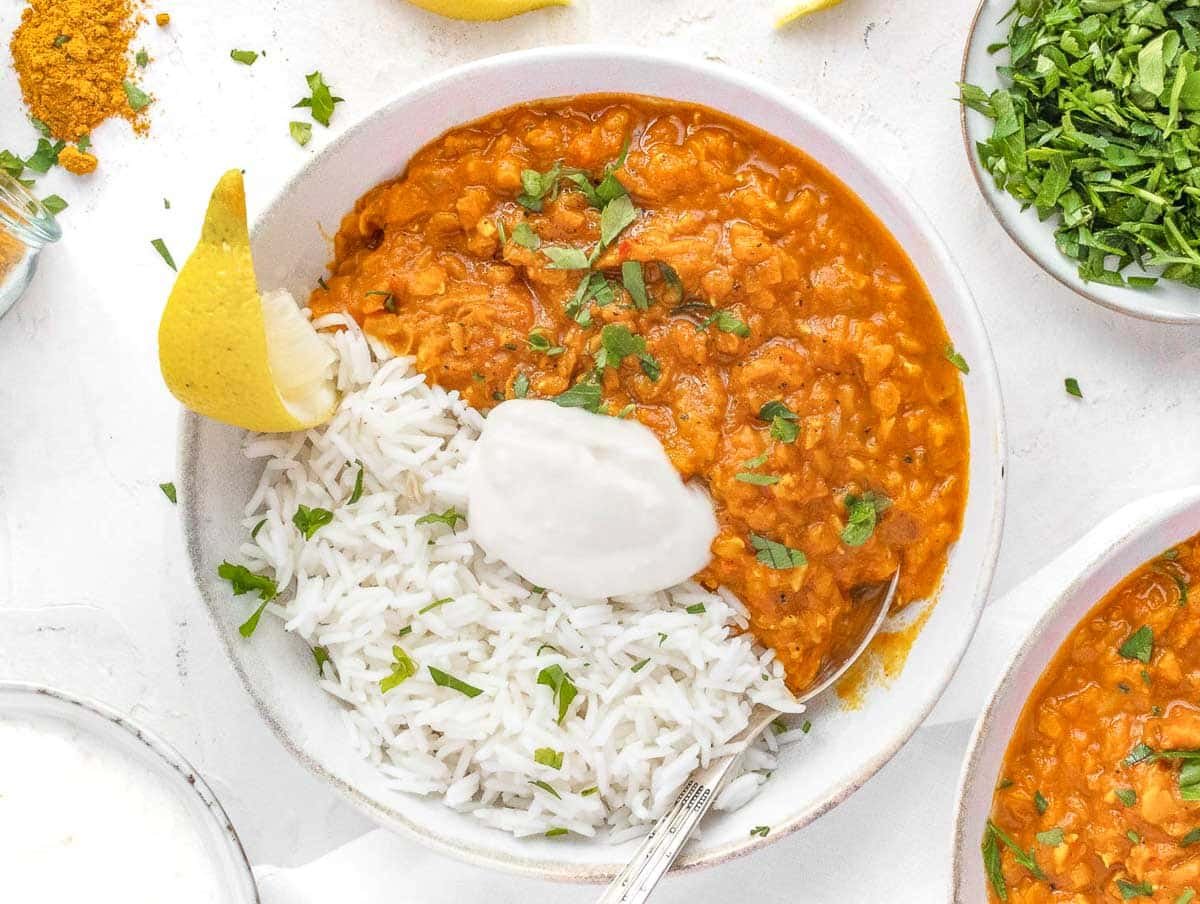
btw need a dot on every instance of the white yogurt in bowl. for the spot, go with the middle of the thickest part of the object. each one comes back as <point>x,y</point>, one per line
<point>93,808</point>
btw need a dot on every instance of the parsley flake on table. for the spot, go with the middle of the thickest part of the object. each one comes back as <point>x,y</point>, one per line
<point>776,555</point>
<point>161,247</point>
<point>245,57</point>
<point>168,490</point>
<point>138,99</point>
<point>321,101</point>
<point>1072,387</point>
<point>301,132</point>
<point>54,204</point>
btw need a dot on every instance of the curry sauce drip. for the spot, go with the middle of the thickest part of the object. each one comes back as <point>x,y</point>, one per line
<point>842,331</point>
<point>1075,762</point>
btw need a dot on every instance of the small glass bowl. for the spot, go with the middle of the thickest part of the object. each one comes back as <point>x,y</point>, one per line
<point>26,227</point>
<point>105,726</point>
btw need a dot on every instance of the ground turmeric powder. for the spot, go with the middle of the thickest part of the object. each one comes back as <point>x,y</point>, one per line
<point>73,160</point>
<point>72,60</point>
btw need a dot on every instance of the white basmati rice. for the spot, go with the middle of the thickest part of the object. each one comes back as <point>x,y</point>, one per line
<point>359,586</point>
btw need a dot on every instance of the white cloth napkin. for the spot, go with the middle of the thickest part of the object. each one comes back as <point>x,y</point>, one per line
<point>889,842</point>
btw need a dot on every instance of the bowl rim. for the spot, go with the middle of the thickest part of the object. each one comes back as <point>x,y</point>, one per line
<point>161,750</point>
<point>1174,504</point>
<point>985,371</point>
<point>1078,286</point>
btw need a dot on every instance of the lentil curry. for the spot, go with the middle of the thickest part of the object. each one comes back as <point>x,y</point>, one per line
<point>661,261</point>
<point>1099,798</point>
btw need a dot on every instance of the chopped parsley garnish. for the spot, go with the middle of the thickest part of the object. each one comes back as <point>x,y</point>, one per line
<point>246,57</point>
<point>320,657</point>
<point>1023,858</point>
<point>1131,835</point>
<point>588,792</point>
<point>450,518</point>
<point>806,727</point>
<point>555,831</point>
<point>641,665</point>
<point>44,157</point>
<point>634,281</point>
<point>524,236</point>
<point>357,493</point>
<point>696,609</point>
<point>617,343</point>
<point>243,580</point>
<point>758,480</point>
<point>565,258</point>
<point>309,521</point>
<point>257,528</point>
<point>545,786</point>
<point>563,688</point>
<point>548,756</point>
<point>617,214</point>
<point>1139,645</point>
<point>1130,890</point>
<point>537,186</point>
<point>54,204</point>
<point>782,420</point>
<point>250,625</point>
<point>168,490</point>
<point>760,831</point>
<point>662,638</point>
<point>584,394</point>
<point>1190,838</point>
<point>862,514</point>
<point>1040,802</point>
<point>389,300</point>
<point>1072,386</point>
<point>776,555</point>
<point>301,132</point>
<point>1140,752</point>
<point>141,58</point>
<point>320,102</point>
<point>540,343</point>
<point>955,358</point>
<point>726,323</point>
<point>1050,838</point>
<point>161,247</point>
<point>1128,797</point>
<point>403,668</point>
<point>436,604</point>
<point>521,386</point>
<point>778,726</point>
<point>138,99</point>
<point>1186,896</point>
<point>992,865</point>
<point>441,679</point>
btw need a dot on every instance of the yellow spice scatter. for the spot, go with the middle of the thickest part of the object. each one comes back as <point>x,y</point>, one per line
<point>11,253</point>
<point>76,161</point>
<point>72,58</point>
<point>163,19</point>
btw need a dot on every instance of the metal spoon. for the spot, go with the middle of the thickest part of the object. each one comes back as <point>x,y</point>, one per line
<point>659,849</point>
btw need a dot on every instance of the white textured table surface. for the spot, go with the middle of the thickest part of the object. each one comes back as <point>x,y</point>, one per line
<point>94,594</point>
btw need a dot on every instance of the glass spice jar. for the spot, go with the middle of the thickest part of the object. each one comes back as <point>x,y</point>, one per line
<point>26,227</point>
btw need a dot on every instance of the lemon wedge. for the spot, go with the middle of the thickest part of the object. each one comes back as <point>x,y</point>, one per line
<point>800,10</point>
<point>484,10</point>
<point>231,354</point>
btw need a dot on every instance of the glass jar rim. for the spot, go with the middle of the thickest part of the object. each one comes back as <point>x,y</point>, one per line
<point>24,216</point>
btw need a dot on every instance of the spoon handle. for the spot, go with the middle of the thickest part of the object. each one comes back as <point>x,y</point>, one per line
<point>659,849</point>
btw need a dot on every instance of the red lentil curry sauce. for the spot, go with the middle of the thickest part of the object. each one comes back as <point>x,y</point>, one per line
<point>1099,797</point>
<point>661,261</point>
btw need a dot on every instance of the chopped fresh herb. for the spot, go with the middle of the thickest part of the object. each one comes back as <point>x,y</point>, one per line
<point>520,386</point>
<point>617,214</point>
<point>1128,797</point>
<point>450,518</point>
<point>776,555</point>
<point>618,343</point>
<point>671,278</point>
<point>588,792</point>
<point>138,99</point>
<point>403,632</point>
<point>584,394</point>
<point>161,247</point>
<point>782,420</point>
<point>548,756</point>
<point>301,132</point>
<point>556,831</point>
<point>1040,802</point>
<point>546,646</point>
<point>309,521</point>
<point>758,480</point>
<point>726,322</point>
<point>862,514</point>
<point>168,490</point>
<point>1139,645</point>
<point>1004,783</point>
<point>565,258</point>
<point>60,40</point>
<point>357,492</point>
<point>1050,838</point>
<point>537,186</point>
<point>696,609</point>
<point>1186,896</point>
<point>1190,838</point>
<point>662,638</point>
<point>436,604</point>
<point>321,656</point>
<point>1130,890</point>
<point>760,831</point>
<point>45,156</point>
<point>257,528</point>
<point>441,679</point>
<point>641,665</point>
<point>757,461</point>
<point>634,281</point>
<point>992,864</point>
<point>243,580</point>
<point>627,410</point>
<point>54,204</point>
<point>250,625</point>
<point>1073,387</point>
<point>320,101</point>
<point>524,236</point>
<point>11,164</point>
<point>1023,858</point>
<point>563,688</point>
<point>806,727</point>
<point>540,343</point>
<point>142,58</point>
<point>1140,752</point>
<point>403,668</point>
<point>246,57</point>
<point>778,726</point>
<point>1131,835</point>
<point>389,300</point>
<point>549,789</point>
<point>956,359</point>
<point>500,231</point>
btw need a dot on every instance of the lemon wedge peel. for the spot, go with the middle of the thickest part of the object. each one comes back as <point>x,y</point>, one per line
<point>802,9</point>
<point>230,354</point>
<point>484,10</point>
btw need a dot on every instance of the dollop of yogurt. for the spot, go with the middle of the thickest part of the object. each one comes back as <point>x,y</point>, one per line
<point>580,503</point>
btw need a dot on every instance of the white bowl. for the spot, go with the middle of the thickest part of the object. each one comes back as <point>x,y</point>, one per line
<point>155,757</point>
<point>1102,560</point>
<point>845,747</point>
<point>1167,302</point>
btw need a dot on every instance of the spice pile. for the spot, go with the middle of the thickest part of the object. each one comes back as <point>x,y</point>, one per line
<point>1100,125</point>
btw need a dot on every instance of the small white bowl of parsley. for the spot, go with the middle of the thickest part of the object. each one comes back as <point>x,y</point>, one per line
<point>1082,124</point>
